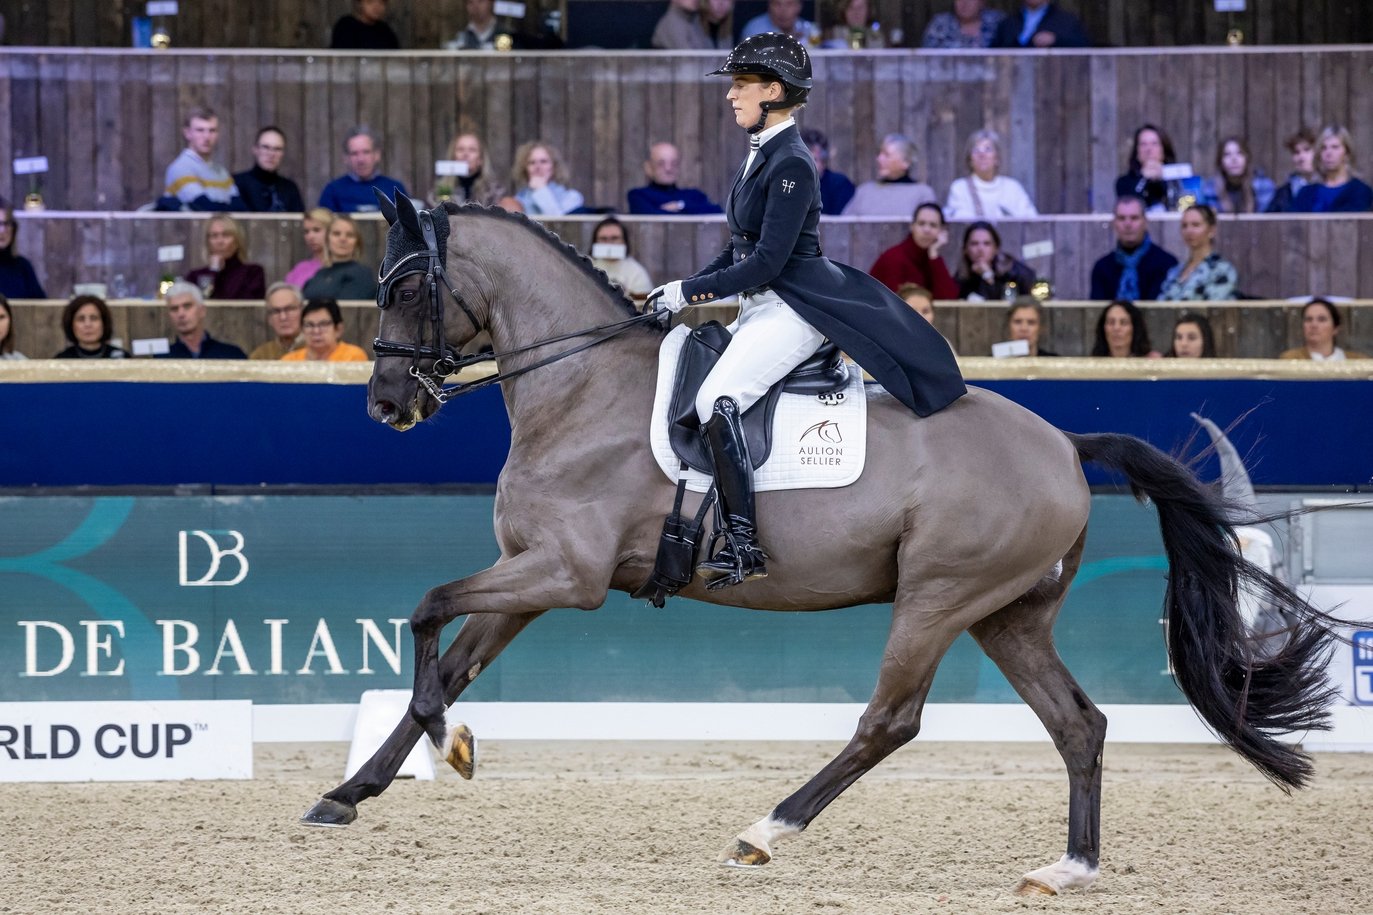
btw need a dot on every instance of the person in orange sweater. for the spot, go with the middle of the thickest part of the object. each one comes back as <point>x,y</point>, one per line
<point>323,325</point>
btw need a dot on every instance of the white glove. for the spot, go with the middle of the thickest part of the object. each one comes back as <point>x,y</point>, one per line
<point>669,296</point>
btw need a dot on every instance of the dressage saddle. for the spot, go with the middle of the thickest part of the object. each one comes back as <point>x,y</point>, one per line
<point>823,373</point>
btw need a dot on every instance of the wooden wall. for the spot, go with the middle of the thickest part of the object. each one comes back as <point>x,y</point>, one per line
<point>110,122</point>
<point>1253,330</point>
<point>1276,256</point>
<point>306,23</point>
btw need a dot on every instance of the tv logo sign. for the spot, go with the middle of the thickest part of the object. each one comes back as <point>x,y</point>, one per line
<point>215,573</point>
<point>1363,667</point>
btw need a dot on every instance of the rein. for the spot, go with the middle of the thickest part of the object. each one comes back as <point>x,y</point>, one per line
<point>446,360</point>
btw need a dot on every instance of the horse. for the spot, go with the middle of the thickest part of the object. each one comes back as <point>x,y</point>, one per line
<point>971,519</point>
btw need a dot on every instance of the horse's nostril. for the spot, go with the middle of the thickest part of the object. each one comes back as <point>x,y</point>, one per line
<point>386,407</point>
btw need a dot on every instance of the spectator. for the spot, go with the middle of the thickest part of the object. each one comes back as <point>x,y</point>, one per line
<point>1040,24</point>
<point>344,278</point>
<point>7,350</point>
<point>283,318</point>
<point>87,325</point>
<point>226,276</point>
<point>984,194</point>
<point>1206,276</point>
<point>352,192</point>
<point>262,188</point>
<point>610,252</point>
<point>1192,338</point>
<point>194,180</point>
<point>1302,146</point>
<point>836,190</point>
<point>1338,191</point>
<point>186,308</point>
<point>895,192</point>
<point>540,179</point>
<point>1137,267</point>
<point>1150,151</point>
<point>718,17</point>
<point>1238,187</point>
<point>1024,321</point>
<point>1320,325</point>
<point>661,196</point>
<point>315,228</point>
<point>478,185</point>
<point>986,273</point>
<point>1121,333</point>
<point>17,279</point>
<point>365,29</point>
<point>970,25</point>
<point>920,299</point>
<point>916,259</point>
<point>782,16</point>
<point>683,28</point>
<point>480,33</point>
<point>855,28</point>
<point>323,324</point>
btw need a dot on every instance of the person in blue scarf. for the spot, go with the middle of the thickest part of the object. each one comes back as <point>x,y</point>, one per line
<point>1137,268</point>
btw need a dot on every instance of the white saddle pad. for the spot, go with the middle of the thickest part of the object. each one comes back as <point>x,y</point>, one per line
<point>817,442</point>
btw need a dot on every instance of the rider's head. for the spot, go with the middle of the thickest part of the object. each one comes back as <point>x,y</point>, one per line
<point>770,72</point>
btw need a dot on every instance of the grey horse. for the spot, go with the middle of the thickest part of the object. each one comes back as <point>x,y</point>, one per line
<point>972,519</point>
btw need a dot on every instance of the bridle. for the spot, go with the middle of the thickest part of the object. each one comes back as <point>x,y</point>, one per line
<point>447,361</point>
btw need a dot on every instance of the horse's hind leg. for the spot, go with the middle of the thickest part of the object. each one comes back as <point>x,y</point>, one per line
<point>476,645</point>
<point>914,646</point>
<point>1019,638</point>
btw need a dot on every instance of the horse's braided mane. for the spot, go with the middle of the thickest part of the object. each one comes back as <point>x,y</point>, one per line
<point>577,258</point>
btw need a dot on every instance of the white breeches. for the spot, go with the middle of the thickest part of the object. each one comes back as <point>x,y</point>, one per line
<point>769,341</point>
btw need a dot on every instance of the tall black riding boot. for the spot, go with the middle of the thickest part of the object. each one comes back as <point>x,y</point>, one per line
<point>741,558</point>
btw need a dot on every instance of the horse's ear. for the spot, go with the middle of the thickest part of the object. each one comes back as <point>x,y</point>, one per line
<point>409,217</point>
<point>388,209</point>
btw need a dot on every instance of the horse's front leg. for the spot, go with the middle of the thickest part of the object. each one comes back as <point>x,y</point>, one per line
<point>529,582</point>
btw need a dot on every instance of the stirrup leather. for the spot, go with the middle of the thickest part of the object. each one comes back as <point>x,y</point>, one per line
<point>740,558</point>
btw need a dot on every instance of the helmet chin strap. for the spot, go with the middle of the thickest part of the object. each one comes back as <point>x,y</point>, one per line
<point>764,109</point>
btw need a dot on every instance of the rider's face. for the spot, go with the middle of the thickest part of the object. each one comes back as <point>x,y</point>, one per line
<point>747,94</point>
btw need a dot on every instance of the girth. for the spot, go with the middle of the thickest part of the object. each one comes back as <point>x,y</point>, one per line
<point>822,373</point>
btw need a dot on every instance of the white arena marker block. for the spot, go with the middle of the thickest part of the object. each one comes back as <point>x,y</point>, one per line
<point>378,713</point>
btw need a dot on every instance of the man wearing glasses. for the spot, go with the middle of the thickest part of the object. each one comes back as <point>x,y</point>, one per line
<point>283,317</point>
<point>262,188</point>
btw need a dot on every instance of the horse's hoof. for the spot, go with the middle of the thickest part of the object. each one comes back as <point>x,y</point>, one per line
<point>461,752</point>
<point>1028,887</point>
<point>744,854</point>
<point>329,812</point>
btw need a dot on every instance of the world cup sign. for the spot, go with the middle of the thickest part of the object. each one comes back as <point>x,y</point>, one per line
<point>211,575</point>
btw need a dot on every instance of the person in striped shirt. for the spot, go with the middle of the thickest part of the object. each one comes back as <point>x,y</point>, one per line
<point>194,179</point>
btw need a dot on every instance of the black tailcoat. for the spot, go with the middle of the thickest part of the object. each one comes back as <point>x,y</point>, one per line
<point>774,216</point>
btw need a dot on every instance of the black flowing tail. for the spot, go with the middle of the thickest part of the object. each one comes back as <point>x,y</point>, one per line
<point>1244,694</point>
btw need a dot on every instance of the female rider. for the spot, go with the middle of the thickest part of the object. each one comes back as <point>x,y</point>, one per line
<point>791,297</point>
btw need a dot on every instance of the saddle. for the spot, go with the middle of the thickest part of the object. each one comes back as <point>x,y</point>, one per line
<point>822,373</point>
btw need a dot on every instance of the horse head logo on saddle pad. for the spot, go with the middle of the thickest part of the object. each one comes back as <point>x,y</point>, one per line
<point>794,433</point>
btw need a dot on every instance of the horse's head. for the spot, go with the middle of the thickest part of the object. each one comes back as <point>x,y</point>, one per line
<point>417,346</point>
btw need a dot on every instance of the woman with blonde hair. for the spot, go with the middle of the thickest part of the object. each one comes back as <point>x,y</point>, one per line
<point>315,228</point>
<point>1338,191</point>
<point>985,194</point>
<point>226,276</point>
<point>540,181</point>
<point>344,278</point>
<point>479,185</point>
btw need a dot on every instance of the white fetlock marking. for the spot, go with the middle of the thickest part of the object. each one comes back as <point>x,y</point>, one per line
<point>1065,874</point>
<point>766,831</point>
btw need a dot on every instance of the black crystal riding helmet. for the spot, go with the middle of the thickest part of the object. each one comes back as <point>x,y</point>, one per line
<point>777,57</point>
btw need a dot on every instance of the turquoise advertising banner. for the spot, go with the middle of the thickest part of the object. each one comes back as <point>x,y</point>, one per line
<point>305,599</point>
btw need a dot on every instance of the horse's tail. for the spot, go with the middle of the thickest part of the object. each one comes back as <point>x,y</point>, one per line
<point>1243,695</point>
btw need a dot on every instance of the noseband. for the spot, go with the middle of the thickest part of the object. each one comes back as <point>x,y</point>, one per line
<point>447,361</point>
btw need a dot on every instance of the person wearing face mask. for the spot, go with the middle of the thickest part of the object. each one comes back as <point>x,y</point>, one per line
<point>915,259</point>
<point>895,192</point>
<point>791,296</point>
<point>610,252</point>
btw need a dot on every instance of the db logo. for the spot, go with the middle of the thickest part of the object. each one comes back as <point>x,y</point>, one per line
<point>217,554</point>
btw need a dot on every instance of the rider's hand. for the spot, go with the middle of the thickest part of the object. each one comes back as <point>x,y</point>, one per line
<point>669,296</point>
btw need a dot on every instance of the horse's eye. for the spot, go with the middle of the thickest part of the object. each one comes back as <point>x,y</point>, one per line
<point>407,295</point>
